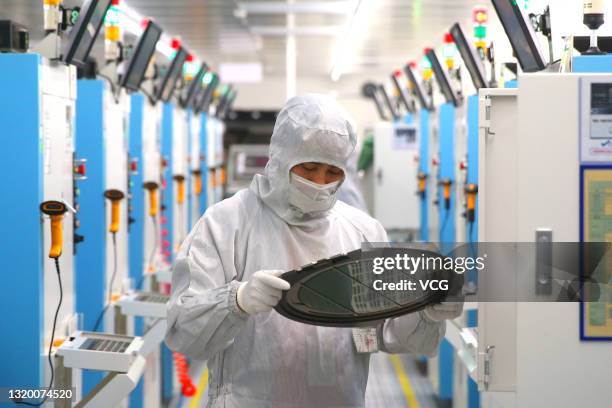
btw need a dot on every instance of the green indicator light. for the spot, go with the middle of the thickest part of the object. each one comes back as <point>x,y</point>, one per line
<point>113,16</point>
<point>480,32</point>
<point>191,69</point>
<point>449,51</point>
<point>426,63</point>
<point>207,78</point>
<point>74,16</point>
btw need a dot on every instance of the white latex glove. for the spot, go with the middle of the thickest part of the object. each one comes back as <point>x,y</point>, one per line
<point>443,311</point>
<point>262,292</point>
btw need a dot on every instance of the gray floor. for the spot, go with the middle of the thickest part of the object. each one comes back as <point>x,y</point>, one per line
<point>384,386</point>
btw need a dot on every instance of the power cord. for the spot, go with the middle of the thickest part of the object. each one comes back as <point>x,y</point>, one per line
<point>110,288</point>
<point>444,222</point>
<point>59,305</point>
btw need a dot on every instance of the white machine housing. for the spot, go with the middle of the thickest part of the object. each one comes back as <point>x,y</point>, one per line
<point>530,354</point>
<point>396,145</point>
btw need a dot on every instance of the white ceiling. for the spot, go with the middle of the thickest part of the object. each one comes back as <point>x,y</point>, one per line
<point>396,31</point>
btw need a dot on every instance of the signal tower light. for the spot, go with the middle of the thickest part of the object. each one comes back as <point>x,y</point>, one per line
<point>112,31</point>
<point>426,65</point>
<point>449,51</point>
<point>480,16</point>
<point>190,69</point>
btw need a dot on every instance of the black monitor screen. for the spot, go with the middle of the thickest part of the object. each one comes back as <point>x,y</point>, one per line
<point>470,57</point>
<point>388,101</point>
<point>418,89</point>
<point>195,86</point>
<point>442,79</point>
<point>168,83</point>
<point>139,61</point>
<point>83,35</point>
<point>521,35</point>
<point>401,91</point>
<point>208,94</point>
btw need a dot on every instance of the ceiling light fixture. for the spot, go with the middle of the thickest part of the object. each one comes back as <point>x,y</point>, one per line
<point>355,29</point>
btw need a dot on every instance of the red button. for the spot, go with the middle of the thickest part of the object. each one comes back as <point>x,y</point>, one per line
<point>462,166</point>
<point>188,390</point>
<point>165,243</point>
<point>164,232</point>
<point>81,169</point>
<point>134,166</point>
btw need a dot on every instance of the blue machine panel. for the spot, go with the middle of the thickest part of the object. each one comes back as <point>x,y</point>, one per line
<point>136,229</point>
<point>190,117</point>
<point>166,202</point>
<point>204,162</point>
<point>593,64</point>
<point>91,256</point>
<point>21,246</point>
<point>136,235</point>
<point>447,171</point>
<point>424,168</point>
<point>472,158</point>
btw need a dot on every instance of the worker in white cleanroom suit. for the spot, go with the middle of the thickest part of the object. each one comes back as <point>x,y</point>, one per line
<point>225,280</point>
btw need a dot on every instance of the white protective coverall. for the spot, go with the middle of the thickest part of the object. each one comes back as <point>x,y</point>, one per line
<point>267,360</point>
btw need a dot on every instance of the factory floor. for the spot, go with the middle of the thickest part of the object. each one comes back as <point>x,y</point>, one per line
<point>394,382</point>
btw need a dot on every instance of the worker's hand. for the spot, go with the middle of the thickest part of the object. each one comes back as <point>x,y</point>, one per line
<point>443,311</point>
<point>262,292</point>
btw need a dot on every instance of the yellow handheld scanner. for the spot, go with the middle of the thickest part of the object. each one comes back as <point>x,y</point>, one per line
<point>180,197</point>
<point>152,187</point>
<point>55,210</point>
<point>422,178</point>
<point>471,190</point>
<point>446,183</point>
<point>197,181</point>
<point>213,178</point>
<point>115,196</point>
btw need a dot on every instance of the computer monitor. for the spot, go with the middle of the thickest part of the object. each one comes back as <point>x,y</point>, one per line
<point>197,99</point>
<point>521,34</point>
<point>83,35</point>
<point>230,102</point>
<point>401,90</point>
<point>224,98</point>
<point>208,94</point>
<point>443,80</point>
<point>141,57</point>
<point>470,57</point>
<point>194,86</point>
<point>417,87</point>
<point>388,102</point>
<point>168,83</point>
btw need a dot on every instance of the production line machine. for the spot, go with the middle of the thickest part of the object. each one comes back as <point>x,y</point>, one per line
<point>518,126</point>
<point>395,144</point>
<point>44,90</point>
<point>447,181</point>
<point>510,351</point>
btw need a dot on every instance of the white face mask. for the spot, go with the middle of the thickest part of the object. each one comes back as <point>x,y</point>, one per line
<point>309,197</point>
